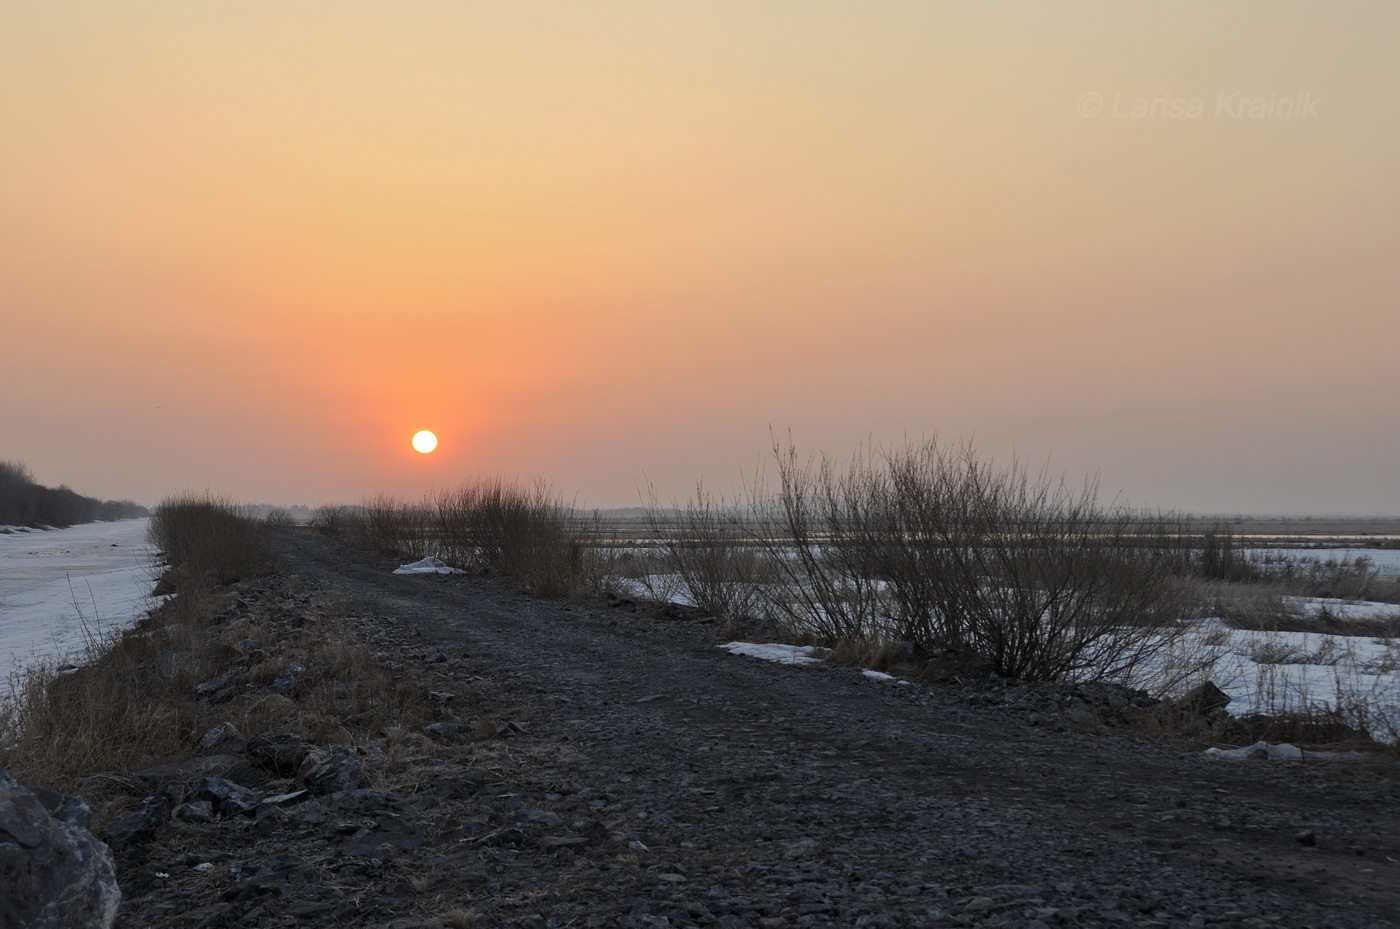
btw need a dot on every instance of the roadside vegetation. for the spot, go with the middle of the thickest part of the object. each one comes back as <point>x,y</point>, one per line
<point>935,563</point>
<point>932,562</point>
<point>925,560</point>
<point>524,532</point>
<point>232,645</point>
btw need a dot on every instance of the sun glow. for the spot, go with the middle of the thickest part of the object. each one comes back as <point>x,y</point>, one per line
<point>424,441</point>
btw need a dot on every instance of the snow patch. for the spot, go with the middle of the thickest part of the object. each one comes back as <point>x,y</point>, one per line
<point>783,654</point>
<point>1281,752</point>
<point>429,565</point>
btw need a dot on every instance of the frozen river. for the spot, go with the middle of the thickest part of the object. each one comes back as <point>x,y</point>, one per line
<point>60,585</point>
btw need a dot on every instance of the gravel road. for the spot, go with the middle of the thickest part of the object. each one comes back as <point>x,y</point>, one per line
<point>652,779</point>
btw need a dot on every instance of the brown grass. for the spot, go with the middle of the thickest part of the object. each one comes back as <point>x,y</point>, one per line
<point>137,699</point>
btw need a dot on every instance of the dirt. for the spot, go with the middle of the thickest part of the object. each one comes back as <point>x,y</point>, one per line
<point>635,774</point>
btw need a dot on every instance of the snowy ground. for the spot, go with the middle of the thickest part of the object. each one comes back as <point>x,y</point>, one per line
<point>59,586</point>
<point>1355,677</point>
<point>1386,561</point>
<point>1263,672</point>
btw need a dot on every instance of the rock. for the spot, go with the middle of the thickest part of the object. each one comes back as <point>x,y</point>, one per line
<point>334,775</point>
<point>1204,699</point>
<point>224,737</point>
<point>248,776</point>
<point>228,798</point>
<point>53,873</point>
<point>193,769</point>
<point>74,811</point>
<point>279,753</point>
<point>284,800</point>
<point>212,685</point>
<point>140,826</point>
<point>199,811</point>
<point>564,843</point>
<point>446,732</point>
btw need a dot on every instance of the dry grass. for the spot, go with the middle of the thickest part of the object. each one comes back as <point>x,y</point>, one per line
<point>207,535</point>
<point>525,532</point>
<point>492,526</point>
<point>253,654</point>
<point>707,547</point>
<point>138,702</point>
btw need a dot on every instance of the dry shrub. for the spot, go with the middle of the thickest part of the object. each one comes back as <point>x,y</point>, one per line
<point>708,546</point>
<point>333,519</point>
<point>936,547</point>
<point>525,532</point>
<point>210,535</point>
<point>390,527</point>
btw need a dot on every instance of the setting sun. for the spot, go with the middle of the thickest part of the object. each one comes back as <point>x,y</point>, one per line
<point>424,441</point>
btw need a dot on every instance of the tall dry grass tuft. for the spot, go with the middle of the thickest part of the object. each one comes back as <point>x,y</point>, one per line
<point>205,535</point>
<point>525,532</point>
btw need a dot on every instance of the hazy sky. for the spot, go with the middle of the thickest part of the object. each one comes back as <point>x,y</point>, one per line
<point>253,246</point>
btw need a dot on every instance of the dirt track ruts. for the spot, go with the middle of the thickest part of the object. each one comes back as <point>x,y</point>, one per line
<point>758,794</point>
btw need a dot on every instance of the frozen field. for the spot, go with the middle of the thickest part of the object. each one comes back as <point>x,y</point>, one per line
<point>60,585</point>
<point>1385,561</point>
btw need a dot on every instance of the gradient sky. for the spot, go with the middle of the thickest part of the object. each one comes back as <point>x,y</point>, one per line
<point>253,246</point>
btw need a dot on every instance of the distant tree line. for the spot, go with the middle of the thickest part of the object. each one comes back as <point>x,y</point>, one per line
<point>26,502</point>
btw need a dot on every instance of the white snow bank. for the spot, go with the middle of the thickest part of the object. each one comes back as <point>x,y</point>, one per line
<point>783,654</point>
<point>61,588</point>
<point>882,676</point>
<point>796,654</point>
<point>429,565</point>
<point>1281,752</point>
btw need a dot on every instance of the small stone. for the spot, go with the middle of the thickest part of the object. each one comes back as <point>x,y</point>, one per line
<point>223,736</point>
<point>200,811</point>
<point>141,825</point>
<point>209,686</point>
<point>281,754</point>
<point>228,798</point>
<point>1306,837</point>
<point>334,775</point>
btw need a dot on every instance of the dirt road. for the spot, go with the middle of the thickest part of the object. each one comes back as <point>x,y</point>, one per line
<point>751,792</point>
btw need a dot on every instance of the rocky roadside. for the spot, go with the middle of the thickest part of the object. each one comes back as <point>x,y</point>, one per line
<point>596,767</point>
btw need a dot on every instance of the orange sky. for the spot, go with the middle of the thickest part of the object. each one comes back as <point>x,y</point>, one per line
<point>252,247</point>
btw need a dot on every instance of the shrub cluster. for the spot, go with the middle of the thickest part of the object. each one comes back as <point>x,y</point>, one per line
<point>203,535</point>
<point>938,549</point>
<point>491,525</point>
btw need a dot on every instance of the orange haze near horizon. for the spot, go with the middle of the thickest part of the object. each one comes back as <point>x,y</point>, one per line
<point>254,247</point>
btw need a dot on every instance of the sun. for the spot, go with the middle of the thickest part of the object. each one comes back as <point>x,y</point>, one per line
<point>424,441</point>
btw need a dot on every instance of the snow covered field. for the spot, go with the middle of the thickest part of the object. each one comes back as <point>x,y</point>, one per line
<point>58,585</point>
<point>1385,561</point>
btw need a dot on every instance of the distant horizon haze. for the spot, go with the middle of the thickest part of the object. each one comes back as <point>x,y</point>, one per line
<point>253,248</point>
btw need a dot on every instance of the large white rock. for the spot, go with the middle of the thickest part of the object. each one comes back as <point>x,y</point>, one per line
<point>54,874</point>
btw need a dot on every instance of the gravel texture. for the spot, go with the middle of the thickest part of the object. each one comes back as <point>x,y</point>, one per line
<point>602,767</point>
